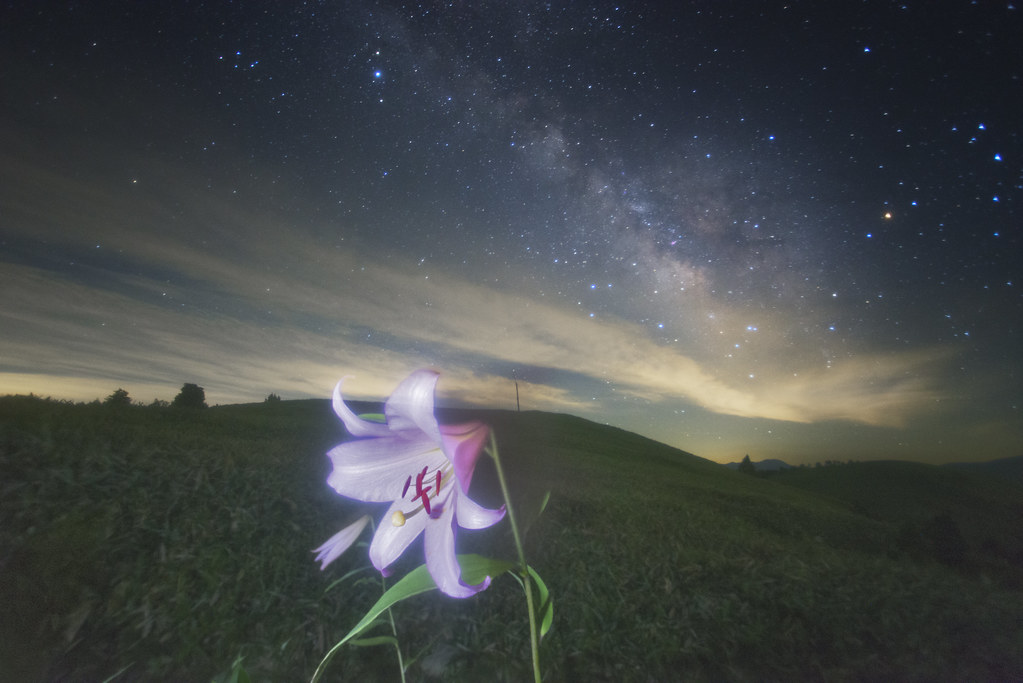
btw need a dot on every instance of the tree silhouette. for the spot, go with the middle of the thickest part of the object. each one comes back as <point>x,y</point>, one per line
<point>118,398</point>
<point>191,396</point>
<point>747,466</point>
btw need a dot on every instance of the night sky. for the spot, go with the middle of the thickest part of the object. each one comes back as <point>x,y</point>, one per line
<point>788,229</point>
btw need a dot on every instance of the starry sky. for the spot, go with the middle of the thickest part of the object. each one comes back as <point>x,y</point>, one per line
<point>788,229</point>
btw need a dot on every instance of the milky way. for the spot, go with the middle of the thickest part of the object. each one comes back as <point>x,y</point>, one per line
<point>789,229</point>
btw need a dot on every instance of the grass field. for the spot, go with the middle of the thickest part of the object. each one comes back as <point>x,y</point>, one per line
<point>159,544</point>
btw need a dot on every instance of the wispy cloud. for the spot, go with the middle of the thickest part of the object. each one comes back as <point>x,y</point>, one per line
<point>319,314</point>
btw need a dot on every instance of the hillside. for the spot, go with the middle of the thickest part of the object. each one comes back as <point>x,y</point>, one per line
<point>965,519</point>
<point>159,544</point>
<point>1008,469</point>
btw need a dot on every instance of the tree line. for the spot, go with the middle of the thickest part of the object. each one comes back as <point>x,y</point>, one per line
<point>191,396</point>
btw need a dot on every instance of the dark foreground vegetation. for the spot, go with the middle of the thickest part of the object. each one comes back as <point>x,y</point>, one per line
<point>162,544</point>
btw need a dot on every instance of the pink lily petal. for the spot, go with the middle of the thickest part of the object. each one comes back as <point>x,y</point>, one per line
<point>340,542</point>
<point>439,540</point>
<point>463,444</point>
<point>472,515</point>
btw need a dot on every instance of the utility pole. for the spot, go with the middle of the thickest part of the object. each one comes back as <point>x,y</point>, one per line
<point>517,408</point>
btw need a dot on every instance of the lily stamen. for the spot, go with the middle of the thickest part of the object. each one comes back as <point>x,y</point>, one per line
<point>424,492</point>
<point>420,493</point>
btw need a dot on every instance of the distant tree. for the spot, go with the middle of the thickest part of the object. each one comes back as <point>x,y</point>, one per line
<point>118,398</point>
<point>747,466</point>
<point>272,398</point>
<point>158,403</point>
<point>190,396</point>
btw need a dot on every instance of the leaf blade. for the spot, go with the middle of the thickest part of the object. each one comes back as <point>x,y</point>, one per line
<point>418,581</point>
<point>546,609</point>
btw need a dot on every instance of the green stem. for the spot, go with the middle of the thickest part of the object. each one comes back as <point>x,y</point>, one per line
<point>394,630</point>
<point>390,614</point>
<point>527,582</point>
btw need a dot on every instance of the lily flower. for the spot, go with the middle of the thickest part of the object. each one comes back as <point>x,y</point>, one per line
<point>423,470</point>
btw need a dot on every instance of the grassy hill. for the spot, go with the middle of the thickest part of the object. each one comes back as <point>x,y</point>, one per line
<point>158,544</point>
<point>1007,469</point>
<point>965,519</point>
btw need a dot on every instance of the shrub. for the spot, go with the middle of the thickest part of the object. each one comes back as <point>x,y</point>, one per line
<point>118,398</point>
<point>191,396</point>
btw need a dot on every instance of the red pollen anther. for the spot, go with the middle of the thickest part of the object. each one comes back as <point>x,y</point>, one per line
<point>408,482</point>
<point>420,493</point>
<point>438,483</point>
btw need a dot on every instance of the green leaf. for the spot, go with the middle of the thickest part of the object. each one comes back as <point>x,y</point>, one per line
<point>546,609</point>
<point>347,576</point>
<point>534,518</point>
<point>409,661</point>
<point>543,504</point>
<point>123,669</point>
<point>237,674</point>
<point>474,569</point>
<point>379,621</point>
<point>374,417</point>
<point>377,640</point>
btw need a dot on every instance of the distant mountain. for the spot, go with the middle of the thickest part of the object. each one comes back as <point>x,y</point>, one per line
<point>1008,469</point>
<point>769,465</point>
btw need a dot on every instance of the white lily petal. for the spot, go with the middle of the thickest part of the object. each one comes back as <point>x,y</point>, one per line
<point>390,541</point>
<point>410,407</point>
<point>441,561</point>
<point>472,515</point>
<point>375,470</point>
<point>355,425</point>
<point>337,544</point>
